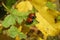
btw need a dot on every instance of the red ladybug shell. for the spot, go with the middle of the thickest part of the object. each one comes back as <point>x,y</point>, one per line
<point>29,20</point>
<point>32,15</point>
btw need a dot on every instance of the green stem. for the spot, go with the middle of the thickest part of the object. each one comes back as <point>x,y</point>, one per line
<point>6,7</point>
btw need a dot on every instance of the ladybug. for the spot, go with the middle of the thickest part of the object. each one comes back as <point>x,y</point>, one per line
<point>29,20</point>
<point>32,15</point>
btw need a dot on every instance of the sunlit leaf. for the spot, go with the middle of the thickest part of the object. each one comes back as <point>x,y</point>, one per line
<point>9,20</point>
<point>22,35</point>
<point>45,26</point>
<point>46,20</point>
<point>24,6</point>
<point>19,20</point>
<point>12,32</point>
<point>17,13</point>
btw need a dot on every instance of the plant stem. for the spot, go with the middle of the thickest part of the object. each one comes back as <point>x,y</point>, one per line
<point>6,7</point>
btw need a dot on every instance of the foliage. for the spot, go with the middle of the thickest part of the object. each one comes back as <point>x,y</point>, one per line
<point>53,37</point>
<point>45,20</point>
<point>58,18</point>
<point>22,35</point>
<point>51,5</point>
<point>13,17</point>
<point>10,3</point>
<point>9,20</point>
<point>34,23</point>
<point>12,32</point>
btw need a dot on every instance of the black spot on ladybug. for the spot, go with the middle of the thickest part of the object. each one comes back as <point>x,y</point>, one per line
<point>32,15</point>
<point>29,21</point>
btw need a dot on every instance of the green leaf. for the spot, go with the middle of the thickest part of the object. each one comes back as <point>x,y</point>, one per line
<point>0,31</point>
<point>17,13</point>
<point>51,5</point>
<point>49,38</point>
<point>34,22</point>
<point>53,37</point>
<point>58,18</point>
<point>34,10</point>
<point>12,32</point>
<point>9,3</point>
<point>9,20</point>
<point>19,19</point>
<point>24,17</point>
<point>22,35</point>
